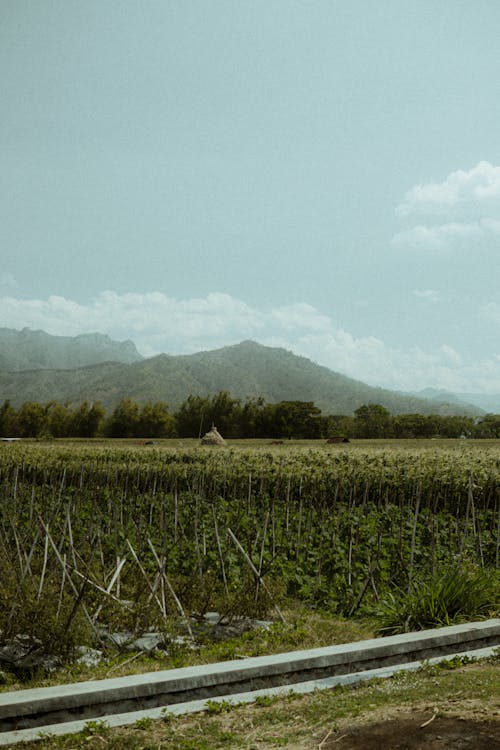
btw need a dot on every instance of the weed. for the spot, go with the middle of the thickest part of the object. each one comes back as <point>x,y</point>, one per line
<point>263,701</point>
<point>214,707</point>
<point>93,727</point>
<point>145,722</point>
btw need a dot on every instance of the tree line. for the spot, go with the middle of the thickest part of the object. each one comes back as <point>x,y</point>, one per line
<point>253,418</point>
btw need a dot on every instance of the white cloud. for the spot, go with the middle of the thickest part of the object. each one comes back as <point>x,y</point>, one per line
<point>158,323</point>
<point>462,212</point>
<point>478,187</point>
<point>438,237</point>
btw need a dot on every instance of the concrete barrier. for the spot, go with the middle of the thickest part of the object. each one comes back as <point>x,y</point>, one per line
<point>80,702</point>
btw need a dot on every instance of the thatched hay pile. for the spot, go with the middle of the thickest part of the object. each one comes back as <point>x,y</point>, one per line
<point>213,437</point>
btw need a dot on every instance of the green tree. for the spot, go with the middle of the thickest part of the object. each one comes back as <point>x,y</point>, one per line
<point>489,426</point>
<point>87,420</point>
<point>155,421</point>
<point>9,426</point>
<point>32,419</point>
<point>251,417</point>
<point>193,416</point>
<point>373,421</point>
<point>296,419</point>
<point>124,420</point>
<point>59,420</point>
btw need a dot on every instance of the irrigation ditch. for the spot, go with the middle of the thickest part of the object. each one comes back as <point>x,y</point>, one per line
<point>28,714</point>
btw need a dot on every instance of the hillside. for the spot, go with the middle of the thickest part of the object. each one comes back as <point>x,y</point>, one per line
<point>34,350</point>
<point>245,370</point>
<point>488,402</point>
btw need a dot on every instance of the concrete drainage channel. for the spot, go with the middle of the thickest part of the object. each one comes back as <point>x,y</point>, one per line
<point>26,714</point>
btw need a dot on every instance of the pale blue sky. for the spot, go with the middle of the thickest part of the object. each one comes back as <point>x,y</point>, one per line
<point>255,165</point>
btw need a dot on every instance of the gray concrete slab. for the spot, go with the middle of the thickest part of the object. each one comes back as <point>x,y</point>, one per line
<point>91,700</point>
<point>130,718</point>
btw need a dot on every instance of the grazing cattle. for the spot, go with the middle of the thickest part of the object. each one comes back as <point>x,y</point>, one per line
<point>337,440</point>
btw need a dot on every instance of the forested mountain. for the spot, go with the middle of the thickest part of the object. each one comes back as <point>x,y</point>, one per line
<point>488,402</point>
<point>244,370</point>
<point>34,350</point>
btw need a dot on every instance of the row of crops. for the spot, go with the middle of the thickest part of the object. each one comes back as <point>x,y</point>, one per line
<point>133,537</point>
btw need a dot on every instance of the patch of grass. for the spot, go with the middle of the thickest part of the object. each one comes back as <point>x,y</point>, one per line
<point>456,595</point>
<point>303,721</point>
<point>304,629</point>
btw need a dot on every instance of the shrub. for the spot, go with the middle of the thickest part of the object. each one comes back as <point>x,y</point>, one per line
<point>454,595</point>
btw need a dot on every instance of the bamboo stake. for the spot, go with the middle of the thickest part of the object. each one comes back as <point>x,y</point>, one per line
<point>161,567</point>
<point>145,576</point>
<point>63,564</point>
<point>44,567</point>
<point>413,538</point>
<point>219,549</point>
<point>61,591</point>
<point>256,573</point>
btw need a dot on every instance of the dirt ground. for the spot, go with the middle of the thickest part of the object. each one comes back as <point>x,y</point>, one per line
<point>416,731</point>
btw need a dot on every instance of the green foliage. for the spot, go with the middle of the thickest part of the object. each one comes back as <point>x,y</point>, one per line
<point>455,595</point>
<point>299,420</point>
<point>214,707</point>
<point>144,723</point>
<point>95,727</point>
<point>336,529</point>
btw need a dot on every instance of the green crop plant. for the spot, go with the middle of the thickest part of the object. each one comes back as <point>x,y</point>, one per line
<point>113,536</point>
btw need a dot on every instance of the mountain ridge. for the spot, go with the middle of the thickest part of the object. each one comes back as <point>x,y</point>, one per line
<point>29,349</point>
<point>245,370</point>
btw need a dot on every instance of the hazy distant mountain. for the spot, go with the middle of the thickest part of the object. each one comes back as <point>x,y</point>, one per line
<point>34,350</point>
<point>245,370</point>
<point>488,402</point>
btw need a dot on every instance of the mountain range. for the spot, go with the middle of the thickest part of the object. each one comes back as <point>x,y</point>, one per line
<point>36,366</point>
<point>488,402</point>
<point>34,350</point>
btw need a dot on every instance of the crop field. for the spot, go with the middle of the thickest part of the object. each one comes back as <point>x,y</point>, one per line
<point>120,535</point>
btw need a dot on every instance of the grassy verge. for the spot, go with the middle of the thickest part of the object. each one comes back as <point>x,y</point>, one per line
<point>303,630</point>
<point>466,691</point>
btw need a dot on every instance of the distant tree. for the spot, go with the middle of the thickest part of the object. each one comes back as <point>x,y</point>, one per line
<point>296,419</point>
<point>9,426</point>
<point>193,416</point>
<point>373,421</point>
<point>197,414</point>
<point>87,420</point>
<point>338,425</point>
<point>414,426</point>
<point>251,418</point>
<point>155,421</point>
<point>59,420</point>
<point>225,413</point>
<point>124,420</point>
<point>489,426</point>
<point>32,419</point>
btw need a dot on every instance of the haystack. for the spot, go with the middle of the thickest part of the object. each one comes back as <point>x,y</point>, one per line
<point>213,437</point>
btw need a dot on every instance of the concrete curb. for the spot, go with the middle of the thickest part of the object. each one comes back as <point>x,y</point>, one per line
<point>55,709</point>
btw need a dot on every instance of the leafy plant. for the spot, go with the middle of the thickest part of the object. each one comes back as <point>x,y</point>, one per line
<point>454,595</point>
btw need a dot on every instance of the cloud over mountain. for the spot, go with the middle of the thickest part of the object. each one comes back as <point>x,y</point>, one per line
<point>158,323</point>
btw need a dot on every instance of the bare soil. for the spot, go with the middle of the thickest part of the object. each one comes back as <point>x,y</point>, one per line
<point>416,731</point>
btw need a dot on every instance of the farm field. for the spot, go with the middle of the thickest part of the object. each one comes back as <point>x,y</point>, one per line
<point>331,543</point>
<point>118,535</point>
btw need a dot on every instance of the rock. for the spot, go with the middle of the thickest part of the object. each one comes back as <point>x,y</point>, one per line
<point>89,657</point>
<point>148,642</point>
<point>120,639</point>
<point>24,656</point>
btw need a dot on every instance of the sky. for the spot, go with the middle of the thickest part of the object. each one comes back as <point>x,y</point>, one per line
<point>322,176</point>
